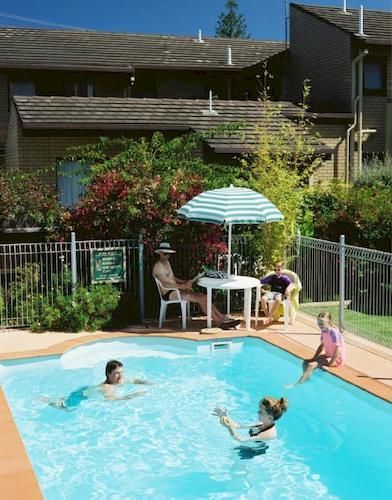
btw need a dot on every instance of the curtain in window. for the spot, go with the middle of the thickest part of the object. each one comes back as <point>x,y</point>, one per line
<point>69,182</point>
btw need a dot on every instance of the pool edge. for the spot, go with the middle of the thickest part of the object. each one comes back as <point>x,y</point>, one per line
<point>17,477</point>
<point>13,455</point>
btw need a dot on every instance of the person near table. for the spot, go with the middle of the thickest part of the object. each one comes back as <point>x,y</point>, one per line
<point>281,287</point>
<point>163,272</point>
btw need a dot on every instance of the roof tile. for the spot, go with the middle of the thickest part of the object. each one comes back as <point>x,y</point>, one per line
<point>99,113</point>
<point>105,51</point>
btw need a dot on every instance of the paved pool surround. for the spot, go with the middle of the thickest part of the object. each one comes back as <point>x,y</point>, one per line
<point>17,478</point>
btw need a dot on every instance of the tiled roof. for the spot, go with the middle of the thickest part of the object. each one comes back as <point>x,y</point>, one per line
<point>103,51</point>
<point>377,24</point>
<point>155,114</point>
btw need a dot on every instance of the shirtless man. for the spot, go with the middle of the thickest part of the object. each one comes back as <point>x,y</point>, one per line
<point>114,377</point>
<point>163,271</point>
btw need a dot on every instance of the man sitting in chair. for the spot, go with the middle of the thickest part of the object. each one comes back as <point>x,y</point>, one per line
<point>281,287</point>
<point>163,272</point>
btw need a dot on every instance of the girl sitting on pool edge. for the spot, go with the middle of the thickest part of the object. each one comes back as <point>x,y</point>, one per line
<point>330,353</point>
<point>270,410</point>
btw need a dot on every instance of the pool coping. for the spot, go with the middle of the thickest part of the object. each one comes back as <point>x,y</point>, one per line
<point>17,477</point>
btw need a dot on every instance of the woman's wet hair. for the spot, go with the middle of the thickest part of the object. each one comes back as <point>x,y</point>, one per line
<point>274,407</point>
<point>112,365</point>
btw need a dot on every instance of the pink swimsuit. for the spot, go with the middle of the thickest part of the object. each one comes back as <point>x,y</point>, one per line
<point>330,339</point>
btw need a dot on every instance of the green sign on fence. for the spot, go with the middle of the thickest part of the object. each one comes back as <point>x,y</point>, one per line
<point>108,265</point>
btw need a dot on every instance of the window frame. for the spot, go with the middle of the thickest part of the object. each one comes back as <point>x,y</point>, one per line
<point>383,65</point>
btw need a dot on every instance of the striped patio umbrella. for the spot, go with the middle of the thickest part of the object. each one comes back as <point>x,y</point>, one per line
<point>232,205</point>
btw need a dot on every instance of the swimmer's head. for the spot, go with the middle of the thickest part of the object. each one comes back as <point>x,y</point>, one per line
<point>113,371</point>
<point>324,320</point>
<point>273,407</point>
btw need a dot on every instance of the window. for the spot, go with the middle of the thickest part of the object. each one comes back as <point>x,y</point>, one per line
<point>79,89</point>
<point>22,88</point>
<point>374,77</point>
<point>69,183</point>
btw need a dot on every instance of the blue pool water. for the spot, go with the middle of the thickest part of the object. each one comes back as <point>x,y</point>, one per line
<point>334,441</point>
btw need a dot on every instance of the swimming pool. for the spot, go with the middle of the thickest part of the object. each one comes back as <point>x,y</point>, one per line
<point>333,442</point>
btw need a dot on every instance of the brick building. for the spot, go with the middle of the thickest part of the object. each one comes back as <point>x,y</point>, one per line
<point>338,50</point>
<point>60,88</point>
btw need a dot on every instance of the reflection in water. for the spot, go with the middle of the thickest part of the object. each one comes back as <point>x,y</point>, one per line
<point>249,452</point>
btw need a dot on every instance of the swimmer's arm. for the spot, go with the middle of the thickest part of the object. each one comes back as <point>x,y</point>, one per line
<point>131,395</point>
<point>226,422</point>
<point>139,381</point>
<point>248,426</point>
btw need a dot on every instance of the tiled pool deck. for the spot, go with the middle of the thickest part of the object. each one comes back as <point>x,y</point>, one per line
<point>369,367</point>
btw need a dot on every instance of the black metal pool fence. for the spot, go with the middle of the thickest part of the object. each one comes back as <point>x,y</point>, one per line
<point>354,283</point>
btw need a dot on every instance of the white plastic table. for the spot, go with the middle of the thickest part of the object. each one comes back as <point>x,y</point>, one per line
<point>245,283</point>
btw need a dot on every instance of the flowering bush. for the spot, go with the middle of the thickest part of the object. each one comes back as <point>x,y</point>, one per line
<point>139,186</point>
<point>27,202</point>
<point>363,214</point>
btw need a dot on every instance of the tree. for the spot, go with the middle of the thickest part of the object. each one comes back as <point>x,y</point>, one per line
<point>231,24</point>
<point>281,166</point>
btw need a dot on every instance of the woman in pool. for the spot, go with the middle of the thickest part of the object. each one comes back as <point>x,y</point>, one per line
<point>114,378</point>
<point>331,352</point>
<point>270,410</point>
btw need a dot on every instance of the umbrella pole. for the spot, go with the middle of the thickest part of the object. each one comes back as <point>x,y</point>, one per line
<point>229,267</point>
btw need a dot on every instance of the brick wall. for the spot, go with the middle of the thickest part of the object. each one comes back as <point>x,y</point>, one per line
<point>334,136</point>
<point>374,108</point>
<point>41,149</point>
<point>12,142</point>
<point>322,53</point>
<point>40,152</point>
<point>3,109</point>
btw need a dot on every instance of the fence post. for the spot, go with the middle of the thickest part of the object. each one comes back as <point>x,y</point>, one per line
<point>298,242</point>
<point>341,281</point>
<point>74,272</point>
<point>141,277</point>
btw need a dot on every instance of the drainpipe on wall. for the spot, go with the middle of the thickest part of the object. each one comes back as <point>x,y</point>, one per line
<point>348,144</point>
<point>360,114</point>
<point>356,108</point>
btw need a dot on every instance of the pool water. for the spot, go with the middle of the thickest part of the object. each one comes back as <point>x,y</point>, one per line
<point>334,441</point>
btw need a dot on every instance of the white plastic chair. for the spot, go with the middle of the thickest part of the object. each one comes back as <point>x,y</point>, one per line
<point>286,311</point>
<point>185,305</point>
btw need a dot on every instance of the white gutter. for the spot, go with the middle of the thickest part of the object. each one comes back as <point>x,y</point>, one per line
<point>348,134</point>
<point>356,108</point>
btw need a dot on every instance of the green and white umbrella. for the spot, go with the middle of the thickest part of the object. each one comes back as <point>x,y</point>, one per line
<point>232,205</point>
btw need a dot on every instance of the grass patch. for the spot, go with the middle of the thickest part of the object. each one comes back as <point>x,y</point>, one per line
<point>375,328</point>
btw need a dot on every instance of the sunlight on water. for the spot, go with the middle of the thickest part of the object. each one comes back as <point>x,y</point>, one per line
<point>167,444</point>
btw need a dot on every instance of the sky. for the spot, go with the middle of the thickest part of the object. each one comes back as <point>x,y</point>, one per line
<point>265,18</point>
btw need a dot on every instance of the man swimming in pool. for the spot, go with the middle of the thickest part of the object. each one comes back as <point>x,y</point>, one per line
<point>114,378</point>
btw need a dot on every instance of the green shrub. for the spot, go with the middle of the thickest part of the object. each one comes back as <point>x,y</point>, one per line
<point>376,173</point>
<point>362,214</point>
<point>84,310</point>
<point>27,296</point>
